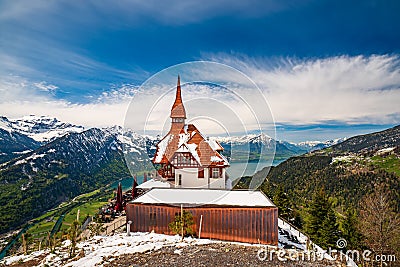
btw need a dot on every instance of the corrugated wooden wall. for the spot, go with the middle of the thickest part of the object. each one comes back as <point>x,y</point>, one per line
<point>242,224</point>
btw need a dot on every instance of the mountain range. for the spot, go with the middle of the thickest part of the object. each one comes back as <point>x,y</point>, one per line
<point>44,161</point>
<point>21,136</point>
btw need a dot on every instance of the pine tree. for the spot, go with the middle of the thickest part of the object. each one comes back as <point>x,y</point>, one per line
<point>329,230</point>
<point>349,229</point>
<point>320,222</point>
<point>282,201</point>
<point>316,214</point>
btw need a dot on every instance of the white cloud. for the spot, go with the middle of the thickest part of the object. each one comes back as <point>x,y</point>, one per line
<point>359,89</point>
<point>20,97</point>
<point>348,90</point>
<point>44,86</point>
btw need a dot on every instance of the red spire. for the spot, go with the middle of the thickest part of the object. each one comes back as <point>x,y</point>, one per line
<point>178,110</point>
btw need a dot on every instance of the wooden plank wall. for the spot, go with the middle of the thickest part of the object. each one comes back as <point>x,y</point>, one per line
<point>242,224</point>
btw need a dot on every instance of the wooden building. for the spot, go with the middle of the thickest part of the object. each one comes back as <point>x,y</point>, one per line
<point>239,215</point>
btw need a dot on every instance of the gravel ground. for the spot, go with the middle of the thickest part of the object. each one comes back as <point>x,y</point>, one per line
<point>206,255</point>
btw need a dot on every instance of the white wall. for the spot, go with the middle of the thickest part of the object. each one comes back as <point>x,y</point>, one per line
<point>190,179</point>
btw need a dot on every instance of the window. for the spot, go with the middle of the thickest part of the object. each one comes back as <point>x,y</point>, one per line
<point>169,170</point>
<point>179,179</point>
<point>184,159</point>
<point>215,173</point>
<point>200,173</point>
<point>178,120</point>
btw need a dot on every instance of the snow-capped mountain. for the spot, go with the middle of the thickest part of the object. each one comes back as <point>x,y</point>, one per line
<point>40,128</point>
<point>14,144</point>
<point>255,143</point>
<point>245,139</point>
<point>301,147</point>
<point>70,165</point>
<point>316,145</point>
<point>21,136</point>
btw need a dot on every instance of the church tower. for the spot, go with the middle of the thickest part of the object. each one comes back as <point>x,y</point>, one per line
<point>178,113</point>
<point>185,157</point>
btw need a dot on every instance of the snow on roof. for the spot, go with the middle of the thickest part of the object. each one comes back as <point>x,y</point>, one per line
<point>214,144</point>
<point>192,148</point>
<point>153,183</point>
<point>189,139</point>
<point>183,138</point>
<point>205,197</point>
<point>219,158</point>
<point>215,159</point>
<point>162,146</point>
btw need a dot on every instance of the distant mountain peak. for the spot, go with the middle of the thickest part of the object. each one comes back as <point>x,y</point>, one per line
<point>316,145</point>
<point>40,128</point>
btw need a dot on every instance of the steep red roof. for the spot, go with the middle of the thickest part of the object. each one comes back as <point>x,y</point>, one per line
<point>178,110</point>
<point>189,140</point>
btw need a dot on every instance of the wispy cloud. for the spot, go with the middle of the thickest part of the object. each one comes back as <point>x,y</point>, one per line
<point>358,89</point>
<point>44,86</point>
<point>55,67</point>
<point>361,90</point>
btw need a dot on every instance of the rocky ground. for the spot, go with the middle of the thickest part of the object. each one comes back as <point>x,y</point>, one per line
<point>151,249</point>
<point>207,255</point>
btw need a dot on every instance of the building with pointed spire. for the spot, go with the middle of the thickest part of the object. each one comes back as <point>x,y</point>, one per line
<point>185,157</point>
<point>195,169</point>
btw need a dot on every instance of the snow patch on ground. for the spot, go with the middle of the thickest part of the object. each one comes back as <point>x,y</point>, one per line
<point>93,252</point>
<point>385,150</point>
<point>347,158</point>
<point>23,258</point>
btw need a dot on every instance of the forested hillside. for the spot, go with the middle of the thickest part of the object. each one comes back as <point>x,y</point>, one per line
<point>350,190</point>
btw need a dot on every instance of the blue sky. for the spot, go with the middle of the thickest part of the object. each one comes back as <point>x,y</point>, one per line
<point>66,58</point>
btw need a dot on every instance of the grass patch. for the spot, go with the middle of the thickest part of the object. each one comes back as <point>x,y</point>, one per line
<point>88,195</point>
<point>46,215</point>
<point>89,208</point>
<point>390,163</point>
<point>41,228</point>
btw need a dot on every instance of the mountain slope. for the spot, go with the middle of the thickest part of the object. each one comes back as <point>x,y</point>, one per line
<point>19,136</point>
<point>348,171</point>
<point>370,142</point>
<point>14,144</point>
<point>68,166</point>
